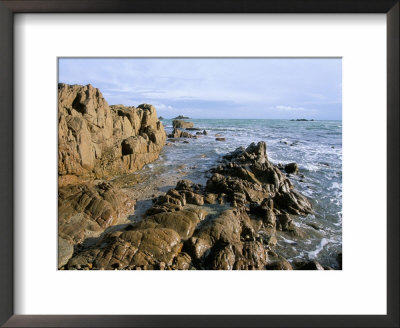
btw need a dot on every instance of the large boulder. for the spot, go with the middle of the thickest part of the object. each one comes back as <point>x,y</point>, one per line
<point>227,242</point>
<point>292,168</point>
<point>180,124</point>
<point>94,138</point>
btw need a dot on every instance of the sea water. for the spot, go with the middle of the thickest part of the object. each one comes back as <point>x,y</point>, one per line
<point>316,146</point>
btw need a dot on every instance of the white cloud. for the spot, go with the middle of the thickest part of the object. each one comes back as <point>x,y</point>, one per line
<point>185,84</point>
<point>290,108</point>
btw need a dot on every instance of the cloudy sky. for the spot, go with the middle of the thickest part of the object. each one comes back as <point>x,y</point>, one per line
<point>216,88</point>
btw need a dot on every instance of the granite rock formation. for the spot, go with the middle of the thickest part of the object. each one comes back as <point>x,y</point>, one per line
<point>100,141</point>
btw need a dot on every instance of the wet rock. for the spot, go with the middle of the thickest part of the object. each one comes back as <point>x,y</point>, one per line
<point>292,168</point>
<point>220,139</point>
<point>182,262</point>
<point>205,132</point>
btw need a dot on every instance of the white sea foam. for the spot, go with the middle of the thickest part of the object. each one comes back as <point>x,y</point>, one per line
<point>313,254</point>
<point>287,241</point>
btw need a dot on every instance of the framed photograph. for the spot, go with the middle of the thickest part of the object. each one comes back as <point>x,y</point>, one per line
<point>212,164</point>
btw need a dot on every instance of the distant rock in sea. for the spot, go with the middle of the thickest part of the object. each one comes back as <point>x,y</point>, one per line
<point>303,120</point>
<point>161,118</point>
<point>181,117</point>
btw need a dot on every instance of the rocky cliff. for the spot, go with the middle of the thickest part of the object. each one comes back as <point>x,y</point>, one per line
<point>99,141</point>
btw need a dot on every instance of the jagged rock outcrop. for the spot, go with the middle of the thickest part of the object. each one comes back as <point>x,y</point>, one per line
<point>249,172</point>
<point>96,140</point>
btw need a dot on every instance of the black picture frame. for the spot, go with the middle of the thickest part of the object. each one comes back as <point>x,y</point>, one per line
<point>10,7</point>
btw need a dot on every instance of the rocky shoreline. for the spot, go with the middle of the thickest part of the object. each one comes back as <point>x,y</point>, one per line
<point>231,222</point>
